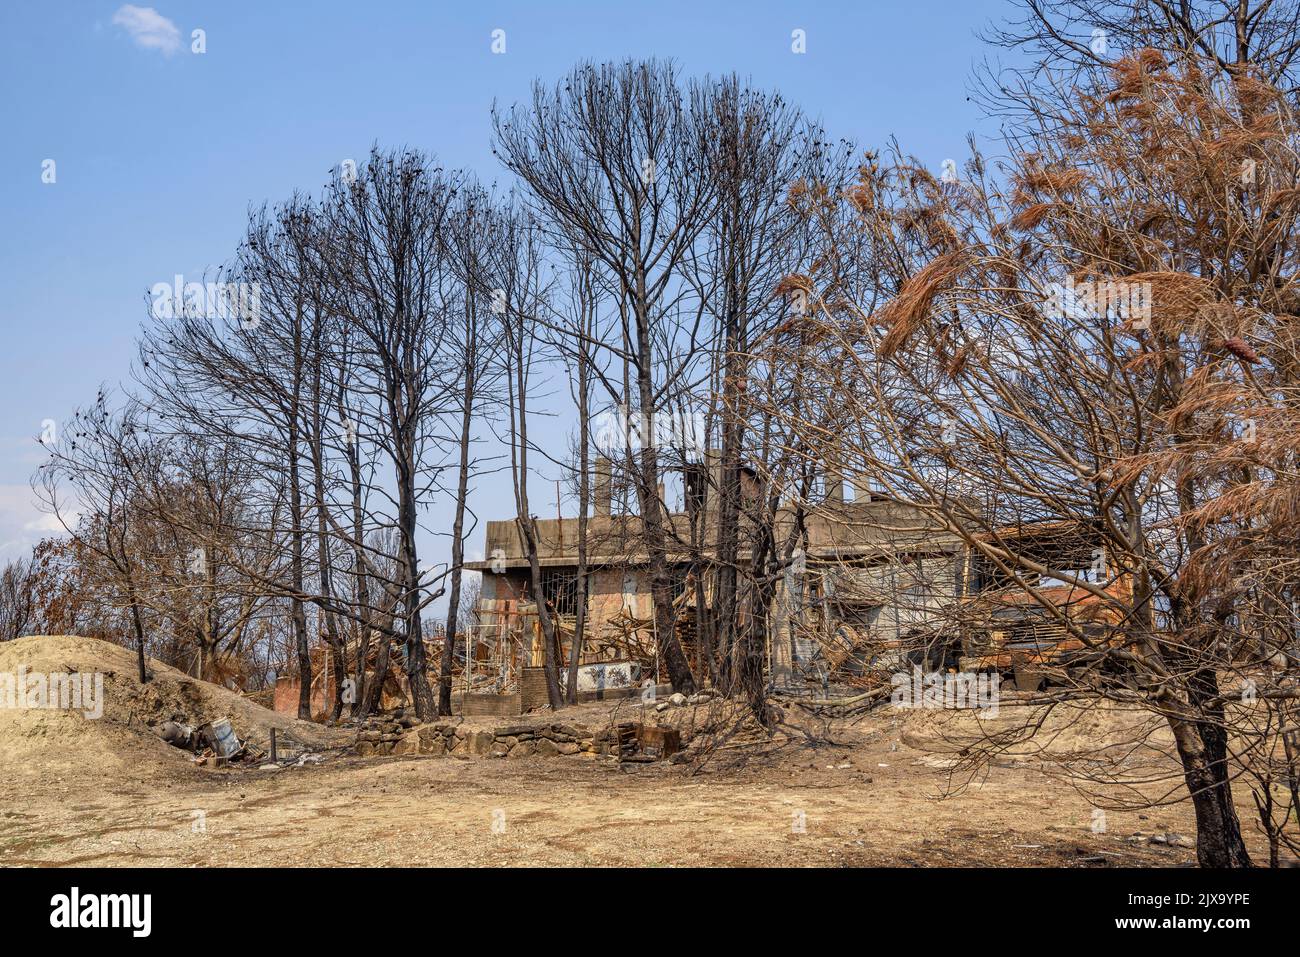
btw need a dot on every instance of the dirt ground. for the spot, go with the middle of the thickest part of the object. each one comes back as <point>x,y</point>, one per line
<point>874,792</point>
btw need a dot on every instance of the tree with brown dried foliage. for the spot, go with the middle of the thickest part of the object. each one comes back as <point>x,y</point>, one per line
<point>1101,337</point>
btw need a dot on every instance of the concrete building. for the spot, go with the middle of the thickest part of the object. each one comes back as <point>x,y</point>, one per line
<point>872,572</point>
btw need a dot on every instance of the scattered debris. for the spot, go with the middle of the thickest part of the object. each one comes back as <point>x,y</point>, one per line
<point>178,735</point>
<point>214,740</point>
<point>221,738</point>
<point>656,743</point>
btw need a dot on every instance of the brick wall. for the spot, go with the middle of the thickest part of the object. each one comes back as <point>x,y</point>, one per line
<point>482,704</point>
<point>532,689</point>
<point>287,690</point>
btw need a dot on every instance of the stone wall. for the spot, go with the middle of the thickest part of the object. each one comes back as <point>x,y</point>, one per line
<point>408,735</point>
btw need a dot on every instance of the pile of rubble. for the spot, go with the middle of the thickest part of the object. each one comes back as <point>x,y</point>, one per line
<point>212,743</point>
<point>640,743</point>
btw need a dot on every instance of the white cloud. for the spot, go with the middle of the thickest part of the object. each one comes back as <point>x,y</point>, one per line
<point>148,28</point>
<point>49,524</point>
<point>22,523</point>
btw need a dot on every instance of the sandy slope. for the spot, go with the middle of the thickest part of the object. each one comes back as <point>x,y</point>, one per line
<point>884,789</point>
<point>122,744</point>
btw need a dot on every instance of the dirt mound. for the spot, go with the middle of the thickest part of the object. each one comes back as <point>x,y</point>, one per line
<point>113,732</point>
<point>1066,730</point>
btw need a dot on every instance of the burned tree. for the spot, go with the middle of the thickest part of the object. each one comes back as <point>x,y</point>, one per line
<point>1081,348</point>
<point>387,254</point>
<point>518,301</point>
<point>611,161</point>
<point>93,484</point>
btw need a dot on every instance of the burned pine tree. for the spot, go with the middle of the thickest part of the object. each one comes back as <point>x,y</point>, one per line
<point>610,160</point>
<point>387,254</point>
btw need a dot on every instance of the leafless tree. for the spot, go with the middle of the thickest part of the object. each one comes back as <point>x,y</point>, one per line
<point>611,162</point>
<point>520,298</point>
<point>1235,37</point>
<point>17,604</point>
<point>762,154</point>
<point>91,484</point>
<point>474,341</point>
<point>387,254</point>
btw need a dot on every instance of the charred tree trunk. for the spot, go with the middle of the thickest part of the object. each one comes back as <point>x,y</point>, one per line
<point>375,687</point>
<point>298,614</point>
<point>728,551</point>
<point>333,633</point>
<point>362,588</point>
<point>416,660</point>
<point>139,638</point>
<point>1203,750</point>
<point>528,535</point>
<point>652,519</point>
<point>457,540</point>
<point>584,499</point>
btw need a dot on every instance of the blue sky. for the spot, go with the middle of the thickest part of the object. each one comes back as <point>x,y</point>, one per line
<point>160,151</point>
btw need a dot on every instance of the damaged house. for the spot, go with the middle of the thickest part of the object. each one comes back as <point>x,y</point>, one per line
<point>878,586</point>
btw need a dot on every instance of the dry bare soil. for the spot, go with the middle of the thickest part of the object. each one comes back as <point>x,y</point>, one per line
<point>881,791</point>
